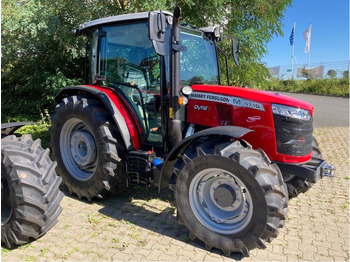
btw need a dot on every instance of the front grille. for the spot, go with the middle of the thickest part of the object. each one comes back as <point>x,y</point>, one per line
<point>294,137</point>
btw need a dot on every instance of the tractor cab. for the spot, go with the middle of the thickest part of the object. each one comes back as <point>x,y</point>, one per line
<point>121,56</point>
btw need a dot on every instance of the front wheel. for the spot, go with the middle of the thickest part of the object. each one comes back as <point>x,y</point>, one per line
<point>229,196</point>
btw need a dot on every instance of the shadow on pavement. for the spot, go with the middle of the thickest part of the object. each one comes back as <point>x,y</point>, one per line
<point>149,210</point>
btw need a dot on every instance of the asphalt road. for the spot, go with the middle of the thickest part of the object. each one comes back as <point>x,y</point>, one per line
<point>329,111</point>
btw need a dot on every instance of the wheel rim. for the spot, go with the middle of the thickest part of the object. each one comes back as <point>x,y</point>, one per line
<point>220,201</point>
<point>6,206</point>
<point>78,149</point>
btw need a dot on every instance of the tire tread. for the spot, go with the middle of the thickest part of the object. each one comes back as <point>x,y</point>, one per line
<point>30,174</point>
<point>110,170</point>
<point>268,176</point>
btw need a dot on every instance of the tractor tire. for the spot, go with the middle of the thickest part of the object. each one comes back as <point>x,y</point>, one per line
<point>297,185</point>
<point>30,195</point>
<point>87,147</point>
<point>229,196</point>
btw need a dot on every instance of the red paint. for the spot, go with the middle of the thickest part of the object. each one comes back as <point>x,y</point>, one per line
<point>211,113</point>
<point>130,119</point>
<point>260,121</point>
<point>254,95</point>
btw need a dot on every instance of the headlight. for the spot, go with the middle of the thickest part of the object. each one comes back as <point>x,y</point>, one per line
<point>186,90</point>
<point>217,32</point>
<point>292,112</point>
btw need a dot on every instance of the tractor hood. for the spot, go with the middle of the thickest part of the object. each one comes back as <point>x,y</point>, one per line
<point>283,138</point>
<point>254,95</point>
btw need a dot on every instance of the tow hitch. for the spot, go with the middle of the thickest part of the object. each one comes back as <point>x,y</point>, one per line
<point>313,170</point>
<point>328,170</point>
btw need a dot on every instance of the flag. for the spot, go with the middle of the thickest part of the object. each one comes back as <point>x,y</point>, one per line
<point>307,37</point>
<point>291,38</point>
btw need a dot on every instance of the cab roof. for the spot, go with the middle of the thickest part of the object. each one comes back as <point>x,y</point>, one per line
<point>117,18</point>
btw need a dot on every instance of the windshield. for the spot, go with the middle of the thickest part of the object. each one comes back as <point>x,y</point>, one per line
<point>198,64</point>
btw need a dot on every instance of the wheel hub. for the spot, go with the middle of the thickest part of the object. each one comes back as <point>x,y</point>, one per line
<point>224,196</point>
<point>220,200</point>
<point>83,148</point>
<point>78,149</point>
<point>225,193</point>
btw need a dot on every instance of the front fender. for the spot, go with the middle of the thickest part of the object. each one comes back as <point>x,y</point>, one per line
<point>180,148</point>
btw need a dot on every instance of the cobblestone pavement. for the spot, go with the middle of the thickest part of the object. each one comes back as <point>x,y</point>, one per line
<point>141,225</point>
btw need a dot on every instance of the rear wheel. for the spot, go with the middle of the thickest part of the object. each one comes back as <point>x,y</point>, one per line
<point>229,196</point>
<point>297,185</point>
<point>30,196</point>
<point>87,148</point>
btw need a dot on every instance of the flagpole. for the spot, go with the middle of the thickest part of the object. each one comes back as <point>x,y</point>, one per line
<point>293,51</point>
<point>308,60</point>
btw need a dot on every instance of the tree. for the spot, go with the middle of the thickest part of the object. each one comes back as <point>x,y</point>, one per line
<point>254,23</point>
<point>346,74</point>
<point>332,73</point>
<point>305,73</point>
<point>39,53</point>
<point>40,56</point>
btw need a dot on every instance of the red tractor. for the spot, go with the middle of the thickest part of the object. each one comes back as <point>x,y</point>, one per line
<point>153,112</point>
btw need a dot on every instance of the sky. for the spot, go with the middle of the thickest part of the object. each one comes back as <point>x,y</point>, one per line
<point>329,33</point>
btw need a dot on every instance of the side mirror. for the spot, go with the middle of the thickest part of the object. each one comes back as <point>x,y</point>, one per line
<point>235,51</point>
<point>156,29</point>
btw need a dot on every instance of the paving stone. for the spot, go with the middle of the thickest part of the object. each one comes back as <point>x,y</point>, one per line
<point>212,257</point>
<point>76,256</point>
<point>167,257</point>
<point>334,253</point>
<point>121,256</point>
<point>293,257</point>
<point>308,255</point>
<point>143,252</point>
<point>318,257</point>
<point>143,228</point>
<point>185,253</point>
<point>155,255</point>
<point>172,249</point>
<point>199,256</point>
<point>136,257</point>
<point>178,243</point>
<point>276,257</point>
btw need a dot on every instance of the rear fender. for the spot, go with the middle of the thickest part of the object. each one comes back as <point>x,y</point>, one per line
<point>231,132</point>
<point>10,128</point>
<point>127,131</point>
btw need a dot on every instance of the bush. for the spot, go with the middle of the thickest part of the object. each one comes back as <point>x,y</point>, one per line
<point>41,130</point>
<point>334,87</point>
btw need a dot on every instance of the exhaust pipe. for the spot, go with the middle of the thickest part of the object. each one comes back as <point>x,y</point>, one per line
<point>175,122</point>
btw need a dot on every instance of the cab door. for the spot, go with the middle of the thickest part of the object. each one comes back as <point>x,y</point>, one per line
<point>128,63</point>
